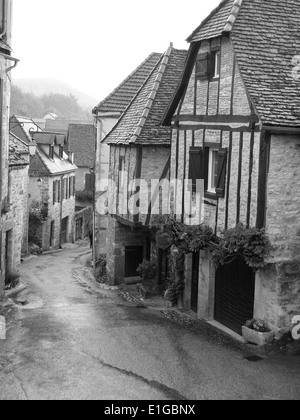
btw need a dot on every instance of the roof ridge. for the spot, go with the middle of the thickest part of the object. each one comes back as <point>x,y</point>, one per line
<point>18,138</point>
<point>156,85</point>
<point>237,4</point>
<point>132,100</point>
<point>128,78</point>
<point>212,13</point>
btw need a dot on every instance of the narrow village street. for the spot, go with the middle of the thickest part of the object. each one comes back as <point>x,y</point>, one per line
<point>74,340</point>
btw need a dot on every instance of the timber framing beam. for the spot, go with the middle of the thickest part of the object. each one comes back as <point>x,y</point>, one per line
<point>217,119</point>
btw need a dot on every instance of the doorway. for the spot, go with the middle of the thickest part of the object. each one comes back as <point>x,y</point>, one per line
<point>235,293</point>
<point>64,230</point>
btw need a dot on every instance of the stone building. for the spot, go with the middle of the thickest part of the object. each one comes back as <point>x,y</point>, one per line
<point>236,119</point>
<point>107,114</point>
<point>52,186</point>
<point>15,210</point>
<point>7,63</point>
<point>139,155</point>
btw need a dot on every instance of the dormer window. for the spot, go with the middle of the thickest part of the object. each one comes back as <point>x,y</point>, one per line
<point>61,151</point>
<point>51,151</point>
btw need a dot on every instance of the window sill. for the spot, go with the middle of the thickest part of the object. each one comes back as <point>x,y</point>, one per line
<point>210,195</point>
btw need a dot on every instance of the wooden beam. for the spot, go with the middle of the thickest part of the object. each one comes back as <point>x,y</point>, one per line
<point>228,182</point>
<point>232,85</point>
<point>221,127</point>
<point>218,119</point>
<point>139,160</point>
<point>264,153</point>
<point>238,204</point>
<point>250,178</point>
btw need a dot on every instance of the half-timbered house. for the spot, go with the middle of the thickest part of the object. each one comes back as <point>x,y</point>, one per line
<point>139,153</point>
<point>236,122</point>
<point>107,114</point>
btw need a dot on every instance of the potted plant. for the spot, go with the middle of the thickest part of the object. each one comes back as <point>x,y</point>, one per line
<point>257,332</point>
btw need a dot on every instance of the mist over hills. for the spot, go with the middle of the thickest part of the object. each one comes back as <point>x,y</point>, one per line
<point>41,87</point>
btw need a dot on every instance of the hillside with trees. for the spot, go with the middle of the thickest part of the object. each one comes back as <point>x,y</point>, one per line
<point>28,104</point>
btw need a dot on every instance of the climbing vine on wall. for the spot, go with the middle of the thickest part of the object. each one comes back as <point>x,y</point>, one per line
<point>250,244</point>
<point>38,213</point>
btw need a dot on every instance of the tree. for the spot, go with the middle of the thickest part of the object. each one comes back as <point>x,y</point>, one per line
<point>25,104</point>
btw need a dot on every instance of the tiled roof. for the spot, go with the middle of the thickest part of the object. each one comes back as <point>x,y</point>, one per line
<point>81,141</point>
<point>41,163</point>
<point>141,122</point>
<point>23,126</point>
<point>266,38</point>
<point>18,151</point>
<point>217,22</point>
<point>49,138</point>
<point>119,99</point>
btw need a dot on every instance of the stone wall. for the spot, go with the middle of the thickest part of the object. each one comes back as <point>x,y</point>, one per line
<point>278,288</point>
<point>4,163</point>
<point>118,237</point>
<point>15,222</point>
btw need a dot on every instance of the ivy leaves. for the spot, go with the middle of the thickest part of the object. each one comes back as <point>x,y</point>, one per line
<point>250,244</point>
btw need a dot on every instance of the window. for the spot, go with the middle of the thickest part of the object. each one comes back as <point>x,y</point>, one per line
<point>208,65</point>
<point>61,151</point>
<point>208,164</point>
<point>216,64</point>
<point>56,192</point>
<point>51,152</point>
<point>212,170</point>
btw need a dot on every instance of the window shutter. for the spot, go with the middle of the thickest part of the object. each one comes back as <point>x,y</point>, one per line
<point>70,186</point>
<point>203,66</point>
<point>67,188</point>
<point>58,189</point>
<point>196,166</point>
<point>206,168</point>
<point>74,185</point>
<point>222,166</point>
<point>54,192</point>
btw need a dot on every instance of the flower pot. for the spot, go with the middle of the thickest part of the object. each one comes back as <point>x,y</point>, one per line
<point>256,337</point>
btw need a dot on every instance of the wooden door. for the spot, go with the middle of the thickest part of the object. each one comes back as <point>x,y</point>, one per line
<point>64,230</point>
<point>195,282</point>
<point>234,298</point>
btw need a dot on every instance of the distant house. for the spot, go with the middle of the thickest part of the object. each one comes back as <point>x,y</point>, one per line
<point>107,113</point>
<point>61,125</point>
<point>81,140</point>
<point>235,122</point>
<point>22,127</point>
<point>52,186</point>
<point>140,150</point>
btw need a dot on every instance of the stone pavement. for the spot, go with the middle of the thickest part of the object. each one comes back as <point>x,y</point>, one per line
<point>76,339</point>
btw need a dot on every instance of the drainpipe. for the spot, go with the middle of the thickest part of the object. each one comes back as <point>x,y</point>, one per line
<point>94,196</point>
<point>61,208</point>
<point>4,19</point>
